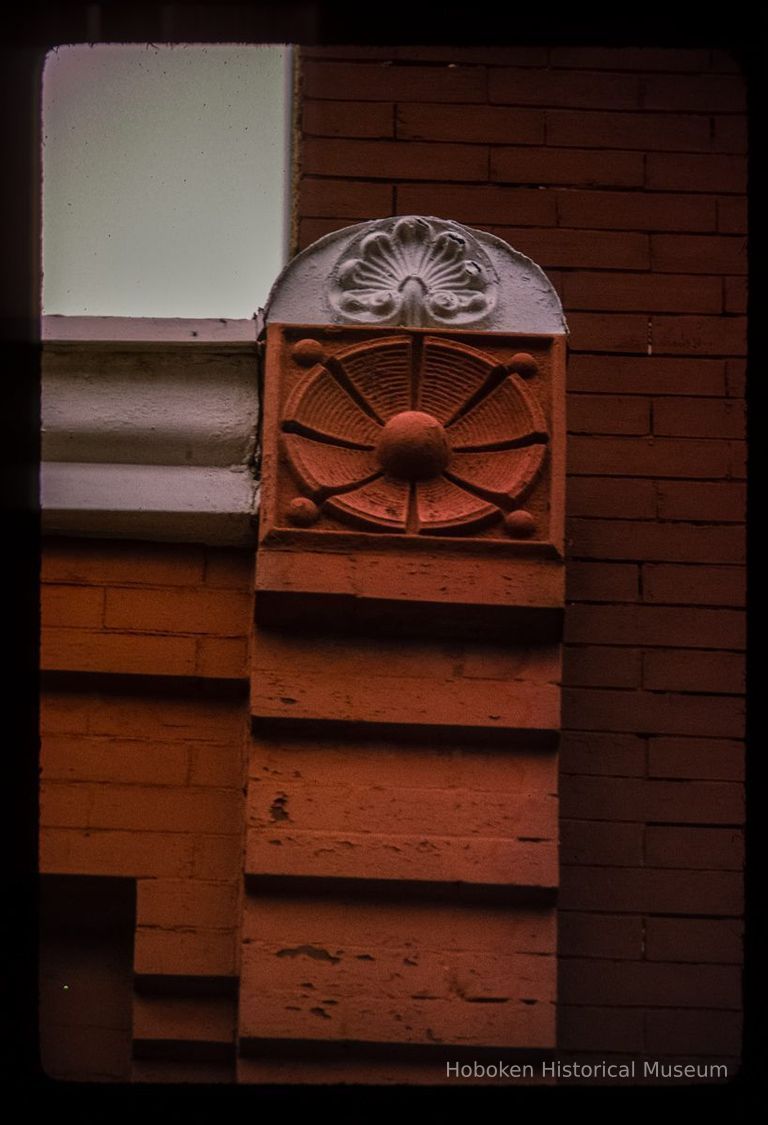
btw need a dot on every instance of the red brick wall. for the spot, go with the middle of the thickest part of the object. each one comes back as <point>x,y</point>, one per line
<point>144,731</point>
<point>138,609</point>
<point>622,173</point>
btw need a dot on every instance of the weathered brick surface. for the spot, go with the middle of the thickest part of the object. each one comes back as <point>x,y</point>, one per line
<point>423,816</point>
<point>398,859</point>
<point>403,684</point>
<point>390,972</point>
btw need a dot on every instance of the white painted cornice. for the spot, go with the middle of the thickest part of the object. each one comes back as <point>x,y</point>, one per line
<point>149,429</point>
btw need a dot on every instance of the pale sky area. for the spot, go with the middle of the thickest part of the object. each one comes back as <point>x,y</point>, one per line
<point>165,179</point>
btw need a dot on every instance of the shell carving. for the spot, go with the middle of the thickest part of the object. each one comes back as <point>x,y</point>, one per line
<point>414,434</point>
<point>415,275</point>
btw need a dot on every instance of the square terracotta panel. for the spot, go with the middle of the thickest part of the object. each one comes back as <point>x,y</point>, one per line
<point>436,453</point>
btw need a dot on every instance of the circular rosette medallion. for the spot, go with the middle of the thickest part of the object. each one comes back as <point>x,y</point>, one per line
<point>414,434</point>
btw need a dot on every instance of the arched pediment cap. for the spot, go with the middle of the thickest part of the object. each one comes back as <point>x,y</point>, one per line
<point>416,271</point>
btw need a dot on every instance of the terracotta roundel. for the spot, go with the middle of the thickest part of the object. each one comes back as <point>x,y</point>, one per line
<point>414,434</point>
